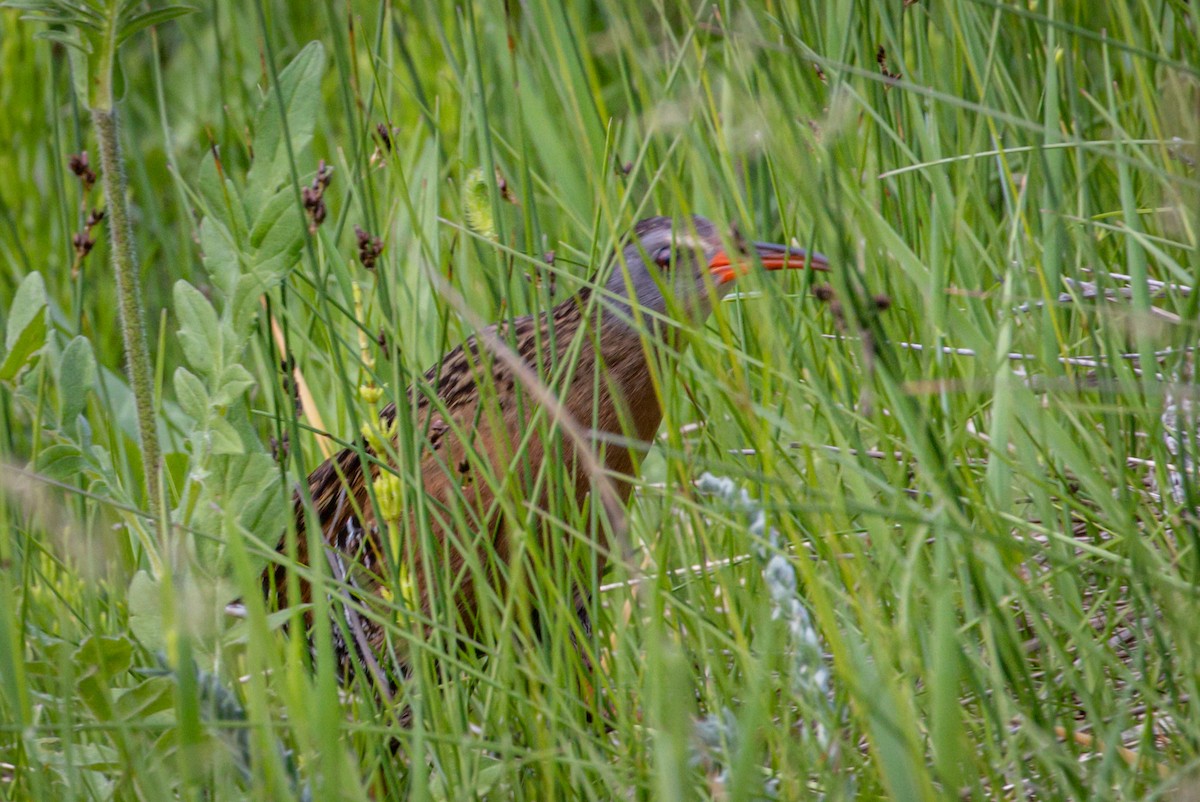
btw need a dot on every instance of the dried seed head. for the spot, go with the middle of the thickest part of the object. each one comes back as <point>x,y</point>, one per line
<point>83,244</point>
<point>506,192</point>
<point>324,174</point>
<point>313,196</point>
<point>79,165</point>
<point>881,60</point>
<point>385,136</point>
<point>369,248</point>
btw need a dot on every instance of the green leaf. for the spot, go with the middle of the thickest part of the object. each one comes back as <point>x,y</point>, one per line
<point>84,756</point>
<point>300,88</point>
<point>26,330</point>
<point>199,329</point>
<point>277,236</point>
<point>220,255</point>
<point>225,439</point>
<point>278,206</point>
<point>233,382</point>
<point>145,612</point>
<point>104,655</point>
<point>80,60</point>
<point>65,38</point>
<point>98,660</point>
<point>76,377</point>
<point>151,696</point>
<point>220,197</point>
<point>190,392</point>
<point>61,461</point>
<point>41,6</point>
<point>27,305</point>
<point>244,305</point>
<point>249,484</point>
<point>154,17</point>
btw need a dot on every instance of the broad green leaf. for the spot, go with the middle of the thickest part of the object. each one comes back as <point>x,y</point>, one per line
<point>98,660</point>
<point>84,756</point>
<point>76,377</point>
<point>148,697</point>
<point>225,439</point>
<point>233,382</point>
<point>199,329</point>
<point>300,89</point>
<point>281,204</point>
<point>248,484</point>
<point>193,398</point>
<point>277,236</point>
<point>220,197</point>
<point>221,258</point>
<point>25,333</point>
<point>243,304</point>
<point>106,655</point>
<point>61,461</point>
<point>145,612</point>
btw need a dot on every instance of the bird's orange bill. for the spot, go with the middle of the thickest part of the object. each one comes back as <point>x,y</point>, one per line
<point>772,256</point>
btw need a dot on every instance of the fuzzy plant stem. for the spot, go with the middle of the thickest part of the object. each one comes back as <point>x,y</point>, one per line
<point>129,299</point>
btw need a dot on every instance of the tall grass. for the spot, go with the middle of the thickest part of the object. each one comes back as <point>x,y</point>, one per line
<point>958,451</point>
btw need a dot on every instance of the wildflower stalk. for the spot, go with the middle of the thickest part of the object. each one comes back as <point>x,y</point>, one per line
<point>129,296</point>
<point>92,34</point>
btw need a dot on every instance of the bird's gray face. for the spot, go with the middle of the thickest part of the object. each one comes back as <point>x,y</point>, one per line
<point>678,269</point>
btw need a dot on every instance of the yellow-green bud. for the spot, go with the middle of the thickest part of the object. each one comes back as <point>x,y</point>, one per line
<point>387,496</point>
<point>477,204</point>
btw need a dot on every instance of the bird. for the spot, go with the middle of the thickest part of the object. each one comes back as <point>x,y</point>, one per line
<point>471,411</point>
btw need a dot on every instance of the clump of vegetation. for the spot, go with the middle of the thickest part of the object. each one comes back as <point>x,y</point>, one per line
<point>954,551</point>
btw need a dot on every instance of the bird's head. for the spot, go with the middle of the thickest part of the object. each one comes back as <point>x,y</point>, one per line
<point>680,267</point>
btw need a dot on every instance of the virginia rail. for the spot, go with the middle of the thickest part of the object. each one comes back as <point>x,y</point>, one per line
<point>471,408</point>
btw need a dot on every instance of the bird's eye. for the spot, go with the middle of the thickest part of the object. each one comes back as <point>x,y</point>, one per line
<point>662,257</point>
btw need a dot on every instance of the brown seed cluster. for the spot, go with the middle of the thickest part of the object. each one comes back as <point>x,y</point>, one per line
<point>385,136</point>
<point>882,60</point>
<point>506,192</point>
<point>369,248</point>
<point>78,164</point>
<point>83,241</point>
<point>313,196</point>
